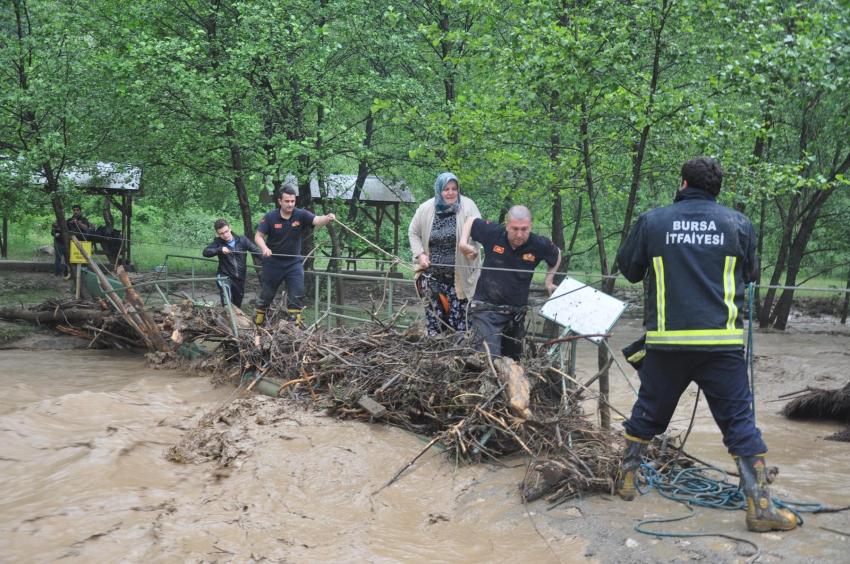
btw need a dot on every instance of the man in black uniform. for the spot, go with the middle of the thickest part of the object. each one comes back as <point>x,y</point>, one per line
<point>77,225</point>
<point>696,257</point>
<point>279,238</point>
<point>232,252</point>
<point>511,253</point>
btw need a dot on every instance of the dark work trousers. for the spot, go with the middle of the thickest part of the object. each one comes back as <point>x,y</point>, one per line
<point>60,258</point>
<point>722,376</point>
<point>237,290</point>
<point>503,332</point>
<point>274,273</point>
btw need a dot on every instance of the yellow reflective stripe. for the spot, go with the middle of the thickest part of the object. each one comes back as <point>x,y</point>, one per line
<point>635,439</point>
<point>637,356</point>
<point>696,337</point>
<point>660,302</point>
<point>729,291</point>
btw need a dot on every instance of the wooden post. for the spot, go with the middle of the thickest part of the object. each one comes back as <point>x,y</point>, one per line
<point>604,410</point>
<point>77,286</point>
<point>147,322</point>
<point>113,296</point>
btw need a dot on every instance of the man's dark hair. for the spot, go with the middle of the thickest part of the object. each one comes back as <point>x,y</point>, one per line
<point>76,207</point>
<point>219,223</point>
<point>703,173</point>
<point>286,189</point>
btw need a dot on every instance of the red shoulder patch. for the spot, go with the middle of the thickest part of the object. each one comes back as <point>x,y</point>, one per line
<point>278,226</point>
<point>498,249</point>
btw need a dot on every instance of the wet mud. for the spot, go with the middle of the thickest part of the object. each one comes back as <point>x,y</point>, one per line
<point>105,459</point>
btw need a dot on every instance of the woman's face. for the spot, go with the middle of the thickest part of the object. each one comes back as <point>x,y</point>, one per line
<point>450,192</point>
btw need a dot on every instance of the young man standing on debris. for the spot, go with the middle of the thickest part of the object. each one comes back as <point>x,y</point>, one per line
<point>696,257</point>
<point>279,237</point>
<point>232,252</point>
<point>511,253</point>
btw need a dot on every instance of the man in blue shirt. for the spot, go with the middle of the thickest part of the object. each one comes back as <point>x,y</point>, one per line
<point>511,254</point>
<point>232,251</point>
<point>279,238</point>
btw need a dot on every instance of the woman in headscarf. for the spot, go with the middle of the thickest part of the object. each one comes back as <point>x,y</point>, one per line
<point>443,275</point>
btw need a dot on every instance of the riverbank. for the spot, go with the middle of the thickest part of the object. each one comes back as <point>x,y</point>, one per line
<point>86,435</point>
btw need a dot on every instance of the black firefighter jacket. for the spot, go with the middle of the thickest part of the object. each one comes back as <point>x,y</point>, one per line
<point>696,257</point>
<point>233,265</point>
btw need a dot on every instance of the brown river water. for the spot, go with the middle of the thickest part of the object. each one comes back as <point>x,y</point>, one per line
<point>83,437</point>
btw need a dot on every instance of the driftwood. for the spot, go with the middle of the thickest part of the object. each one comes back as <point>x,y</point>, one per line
<point>817,403</point>
<point>137,309</point>
<point>57,315</point>
<point>445,390</point>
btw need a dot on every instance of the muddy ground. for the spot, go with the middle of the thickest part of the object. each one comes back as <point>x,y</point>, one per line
<point>102,458</point>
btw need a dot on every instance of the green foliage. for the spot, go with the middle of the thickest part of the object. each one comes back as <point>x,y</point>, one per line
<point>584,111</point>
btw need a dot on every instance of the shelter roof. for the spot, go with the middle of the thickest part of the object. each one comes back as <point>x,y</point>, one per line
<point>375,189</point>
<point>101,176</point>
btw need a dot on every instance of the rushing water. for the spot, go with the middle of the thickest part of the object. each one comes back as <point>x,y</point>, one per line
<point>84,477</point>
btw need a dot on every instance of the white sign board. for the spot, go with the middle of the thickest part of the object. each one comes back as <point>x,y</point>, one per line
<point>582,309</point>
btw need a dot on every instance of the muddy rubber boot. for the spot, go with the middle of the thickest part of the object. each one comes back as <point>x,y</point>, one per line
<point>260,316</point>
<point>762,514</point>
<point>626,484</point>
<point>294,315</point>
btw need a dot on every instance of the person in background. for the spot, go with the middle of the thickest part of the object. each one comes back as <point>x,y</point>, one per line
<point>279,238</point>
<point>696,257</point>
<point>443,275</point>
<point>77,223</point>
<point>232,252</point>
<point>511,254</point>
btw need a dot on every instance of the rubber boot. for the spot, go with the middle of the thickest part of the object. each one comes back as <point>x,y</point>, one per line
<point>626,484</point>
<point>260,316</point>
<point>294,315</point>
<point>762,514</point>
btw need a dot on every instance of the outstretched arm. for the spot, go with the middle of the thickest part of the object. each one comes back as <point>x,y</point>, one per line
<point>463,245</point>
<point>321,220</point>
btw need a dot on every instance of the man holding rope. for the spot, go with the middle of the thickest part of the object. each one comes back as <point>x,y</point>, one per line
<point>279,238</point>
<point>696,257</point>
<point>232,252</point>
<point>511,253</point>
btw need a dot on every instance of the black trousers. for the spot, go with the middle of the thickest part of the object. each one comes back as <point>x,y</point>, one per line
<point>722,376</point>
<point>236,287</point>
<point>503,332</point>
<point>277,272</point>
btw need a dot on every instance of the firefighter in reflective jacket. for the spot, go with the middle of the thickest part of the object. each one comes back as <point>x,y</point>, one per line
<point>696,258</point>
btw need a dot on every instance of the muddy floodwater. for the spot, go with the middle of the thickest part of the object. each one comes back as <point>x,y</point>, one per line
<point>83,438</point>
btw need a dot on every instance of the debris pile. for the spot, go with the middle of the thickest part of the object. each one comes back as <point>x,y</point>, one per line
<point>470,406</point>
<point>818,403</point>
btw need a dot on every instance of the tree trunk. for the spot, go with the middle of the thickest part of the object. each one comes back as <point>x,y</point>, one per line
<point>639,146</point>
<point>239,178</point>
<point>846,306</point>
<point>608,283</point>
<point>4,238</point>
<point>362,168</point>
<point>568,251</point>
<point>782,256</point>
<point>779,318</point>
